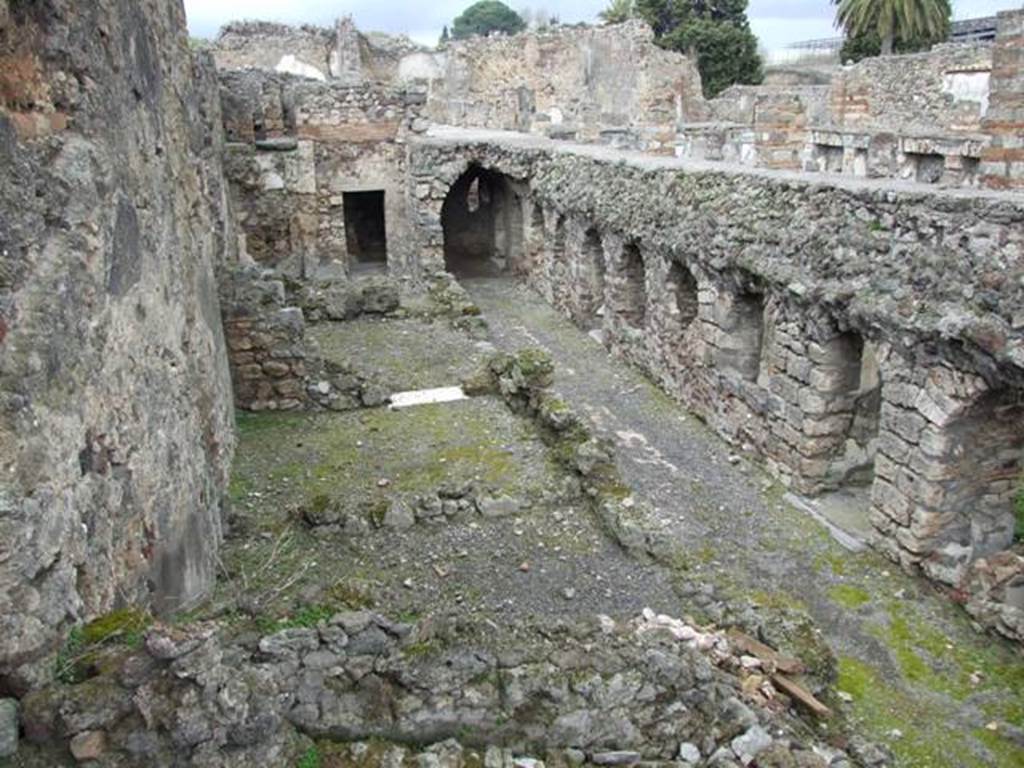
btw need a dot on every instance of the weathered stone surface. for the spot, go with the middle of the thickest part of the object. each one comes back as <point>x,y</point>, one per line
<point>8,728</point>
<point>639,693</point>
<point>822,364</point>
<point>114,379</point>
<point>88,745</point>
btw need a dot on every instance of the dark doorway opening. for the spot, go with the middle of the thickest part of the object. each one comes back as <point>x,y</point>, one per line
<point>482,219</point>
<point>365,233</point>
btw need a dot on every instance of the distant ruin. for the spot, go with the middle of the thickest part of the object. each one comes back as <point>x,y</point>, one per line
<point>830,275</point>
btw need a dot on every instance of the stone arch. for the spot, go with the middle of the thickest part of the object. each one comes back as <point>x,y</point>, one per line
<point>593,269</point>
<point>980,466</point>
<point>683,290</point>
<point>739,315</point>
<point>535,237</point>
<point>482,222</point>
<point>632,293</point>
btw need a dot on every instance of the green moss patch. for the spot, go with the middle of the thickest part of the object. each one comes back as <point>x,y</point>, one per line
<point>849,596</point>
<point>82,652</point>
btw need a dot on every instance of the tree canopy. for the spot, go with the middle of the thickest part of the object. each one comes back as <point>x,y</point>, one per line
<point>485,17</point>
<point>715,32</point>
<point>891,26</point>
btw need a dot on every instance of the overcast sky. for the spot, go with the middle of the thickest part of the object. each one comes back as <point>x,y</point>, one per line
<point>776,22</point>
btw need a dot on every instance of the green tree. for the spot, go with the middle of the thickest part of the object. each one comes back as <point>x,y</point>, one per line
<point>445,37</point>
<point>912,23</point>
<point>618,11</point>
<point>715,32</point>
<point>485,17</point>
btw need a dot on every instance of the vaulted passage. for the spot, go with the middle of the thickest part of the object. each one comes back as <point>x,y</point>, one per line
<point>364,228</point>
<point>482,220</point>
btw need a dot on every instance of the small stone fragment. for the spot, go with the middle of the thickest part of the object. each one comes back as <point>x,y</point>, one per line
<point>619,757</point>
<point>749,745</point>
<point>88,745</point>
<point>689,753</point>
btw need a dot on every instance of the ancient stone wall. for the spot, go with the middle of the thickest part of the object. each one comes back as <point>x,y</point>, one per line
<point>925,117</point>
<point>116,415</point>
<point>942,90</point>
<point>586,83</point>
<point>343,53</point>
<point>1003,160</point>
<point>762,126</point>
<point>298,147</point>
<point>853,335</point>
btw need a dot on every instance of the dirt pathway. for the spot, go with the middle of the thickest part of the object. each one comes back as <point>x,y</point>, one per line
<point>920,678</point>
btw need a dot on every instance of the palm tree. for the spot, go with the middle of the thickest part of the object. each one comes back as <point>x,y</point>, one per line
<point>617,12</point>
<point>891,19</point>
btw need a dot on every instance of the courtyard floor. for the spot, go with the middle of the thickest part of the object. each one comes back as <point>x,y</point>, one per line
<point>909,671</point>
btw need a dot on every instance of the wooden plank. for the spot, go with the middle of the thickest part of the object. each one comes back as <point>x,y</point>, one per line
<point>748,645</point>
<point>801,695</point>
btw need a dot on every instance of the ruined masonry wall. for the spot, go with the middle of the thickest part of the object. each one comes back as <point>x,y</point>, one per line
<point>852,334</point>
<point>942,90</point>
<point>341,53</point>
<point>570,81</point>
<point>116,398</point>
<point>296,147</point>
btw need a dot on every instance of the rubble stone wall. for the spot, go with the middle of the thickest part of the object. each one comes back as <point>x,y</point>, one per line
<point>852,334</point>
<point>116,416</point>
<point>569,81</point>
<point>274,47</point>
<point>949,116</point>
<point>942,90</point>
<point>342,53</point>
<point>297,147</point>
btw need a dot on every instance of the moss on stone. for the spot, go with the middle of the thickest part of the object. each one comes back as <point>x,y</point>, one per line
<point>125,627</point>
<point>849,596</point>
<point>880,708</point>
<point>80,656</point>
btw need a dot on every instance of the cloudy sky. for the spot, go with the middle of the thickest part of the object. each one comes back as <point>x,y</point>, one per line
<point>776,22</point>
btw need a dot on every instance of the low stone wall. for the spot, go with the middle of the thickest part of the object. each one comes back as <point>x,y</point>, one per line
<point>852,334</point>
<point>274,367</point>
<point>607,692</point>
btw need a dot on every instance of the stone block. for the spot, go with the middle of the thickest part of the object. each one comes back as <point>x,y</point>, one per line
<point>906,424</point>
<point>890,501</point>
<point>8,728</point>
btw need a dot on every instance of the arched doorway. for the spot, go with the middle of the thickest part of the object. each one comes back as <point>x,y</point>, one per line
<point>482,220</point>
